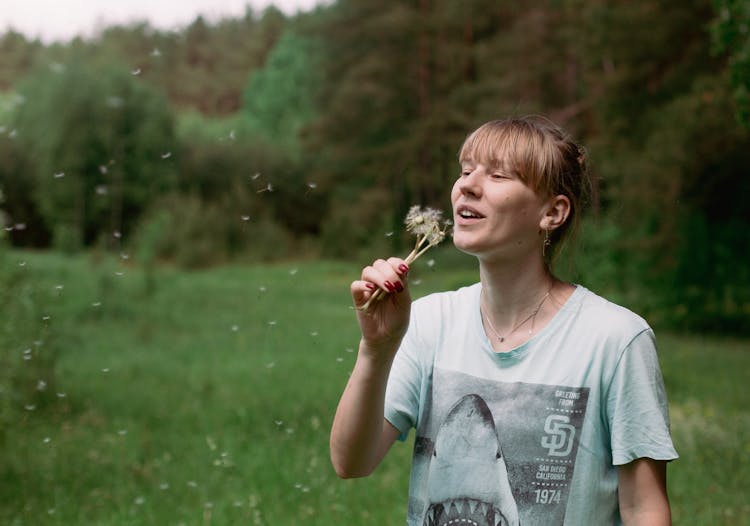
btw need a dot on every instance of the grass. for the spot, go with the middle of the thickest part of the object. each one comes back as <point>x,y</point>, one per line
<point>206,398</point>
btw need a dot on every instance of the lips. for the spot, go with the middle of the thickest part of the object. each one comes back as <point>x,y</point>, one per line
<point>467,213</point>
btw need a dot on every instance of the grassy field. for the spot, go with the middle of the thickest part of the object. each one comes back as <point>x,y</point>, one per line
<point>206,398</point>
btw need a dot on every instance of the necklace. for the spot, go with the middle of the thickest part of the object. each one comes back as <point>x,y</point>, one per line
<point>531,317</point>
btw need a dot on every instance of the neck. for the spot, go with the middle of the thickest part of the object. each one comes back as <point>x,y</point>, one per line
<point>511,291</point>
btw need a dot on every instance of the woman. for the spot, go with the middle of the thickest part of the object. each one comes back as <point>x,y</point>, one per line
<point>535,401</point>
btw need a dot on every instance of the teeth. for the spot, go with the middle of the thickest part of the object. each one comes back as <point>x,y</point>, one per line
<point>467,213</point>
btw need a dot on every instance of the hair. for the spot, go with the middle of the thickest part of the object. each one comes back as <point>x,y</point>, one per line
<point>545,159</point>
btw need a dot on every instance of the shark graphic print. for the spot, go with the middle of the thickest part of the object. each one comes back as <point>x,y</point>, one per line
<point>490,453</point>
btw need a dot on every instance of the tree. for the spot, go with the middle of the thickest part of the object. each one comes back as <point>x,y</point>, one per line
<point>101,143</point>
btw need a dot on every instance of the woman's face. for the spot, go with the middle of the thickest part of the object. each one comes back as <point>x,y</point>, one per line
<point>495,214</point>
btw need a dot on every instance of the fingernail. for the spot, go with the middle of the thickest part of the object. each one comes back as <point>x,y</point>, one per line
<point>389,286</point>
<point>403,268</point>
<point>371,286</point>
<point>399,286</point>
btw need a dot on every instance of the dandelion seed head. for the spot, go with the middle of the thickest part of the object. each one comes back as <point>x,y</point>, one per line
<point>423,221</point>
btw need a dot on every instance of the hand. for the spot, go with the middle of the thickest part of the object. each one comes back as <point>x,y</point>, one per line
<point>384,323</point>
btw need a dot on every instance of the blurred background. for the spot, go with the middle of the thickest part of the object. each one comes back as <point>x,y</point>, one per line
<point>281,136</point>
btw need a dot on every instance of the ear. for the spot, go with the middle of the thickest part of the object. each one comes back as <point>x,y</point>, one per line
<point>556,212</point>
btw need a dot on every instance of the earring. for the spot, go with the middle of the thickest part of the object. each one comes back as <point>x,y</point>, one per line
<point>547,243</point>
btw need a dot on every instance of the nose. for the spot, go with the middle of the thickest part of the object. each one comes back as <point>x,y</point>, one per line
<point>470,183</point>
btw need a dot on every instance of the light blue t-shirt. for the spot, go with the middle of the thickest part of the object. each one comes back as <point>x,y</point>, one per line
<point>533,435</point>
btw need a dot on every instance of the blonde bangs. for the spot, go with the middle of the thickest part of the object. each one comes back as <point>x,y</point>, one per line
<point>513,145</point>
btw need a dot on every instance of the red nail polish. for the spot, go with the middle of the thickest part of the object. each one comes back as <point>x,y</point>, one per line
<point>403,268</point>
<point>389,286</point>
<point>371,286</point>
<point>399,286</point>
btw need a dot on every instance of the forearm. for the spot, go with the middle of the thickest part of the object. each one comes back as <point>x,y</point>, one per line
<point>357,431</point>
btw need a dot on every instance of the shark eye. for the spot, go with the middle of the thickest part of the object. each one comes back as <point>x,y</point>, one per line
<point>498,456</point>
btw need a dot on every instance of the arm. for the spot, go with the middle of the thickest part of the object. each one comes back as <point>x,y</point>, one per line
<point>642,493</point>
<point>360,436</point>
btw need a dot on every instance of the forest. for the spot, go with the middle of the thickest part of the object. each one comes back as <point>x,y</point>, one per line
<point>271,137</point>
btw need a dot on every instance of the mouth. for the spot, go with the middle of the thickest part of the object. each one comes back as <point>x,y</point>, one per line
<point>467,213</point>
<point>470,512</point>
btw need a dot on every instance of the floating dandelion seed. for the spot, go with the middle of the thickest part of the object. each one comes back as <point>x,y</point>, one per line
<point>192,483</point>
<point>388,234</point>
<point>272,323</point>
<point>339,359</point>
<point>164,486</point>
<point>293,271</point>
<point>428,226</point>
<point>430,263</point>
<point>124,255</point>
<point>47,440</point>
<point>312,186</point>
<point>96,304</point>
<point>20,226</point>
<point>245,218</point>
<point>61,395</point>
<point>235,328</point>
<point>279,422</point>
<point>59,287</point>
<point>101,190</point>
<point>314,333</point>
<point>255,176</point>
<point>116,234</point>
<point>139,501</point>
<point>103,169</point>
<point>105,370</point>
<point>135,72</point>
<point>122,432</point>
<point>268,188</point>
<point>21,263</point>
<point>41,385</point>
<point>232,135</point>
<point>270,365</point>
<point>45,318</point>
<point>29,407</point>
<point>58,175</point>
<point>166,155</point>
<point>119,274</point>
<point>156,52</point>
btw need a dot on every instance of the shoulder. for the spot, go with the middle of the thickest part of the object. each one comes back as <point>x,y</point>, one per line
<point>603,318</point>
<point>449,300</point>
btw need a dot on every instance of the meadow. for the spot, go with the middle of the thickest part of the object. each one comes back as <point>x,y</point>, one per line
<point>206,397</point>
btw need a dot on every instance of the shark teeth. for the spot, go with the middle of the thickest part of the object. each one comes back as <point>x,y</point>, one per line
<point>464,512</point>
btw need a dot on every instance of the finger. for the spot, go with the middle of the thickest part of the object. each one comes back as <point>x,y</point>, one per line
<point>362,290</point>
<point>390,274</point>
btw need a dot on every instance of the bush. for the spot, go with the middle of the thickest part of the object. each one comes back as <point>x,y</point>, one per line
<point>29,345</point>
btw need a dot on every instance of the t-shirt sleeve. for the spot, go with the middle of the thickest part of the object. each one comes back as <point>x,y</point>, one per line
<point>637,409</point>
<point>403,391</point>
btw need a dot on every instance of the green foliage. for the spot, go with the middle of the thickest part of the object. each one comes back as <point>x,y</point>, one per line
<point>30,342</point>
<point>731,37</point>
<point>280,98</point>
<point>101,144</point>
